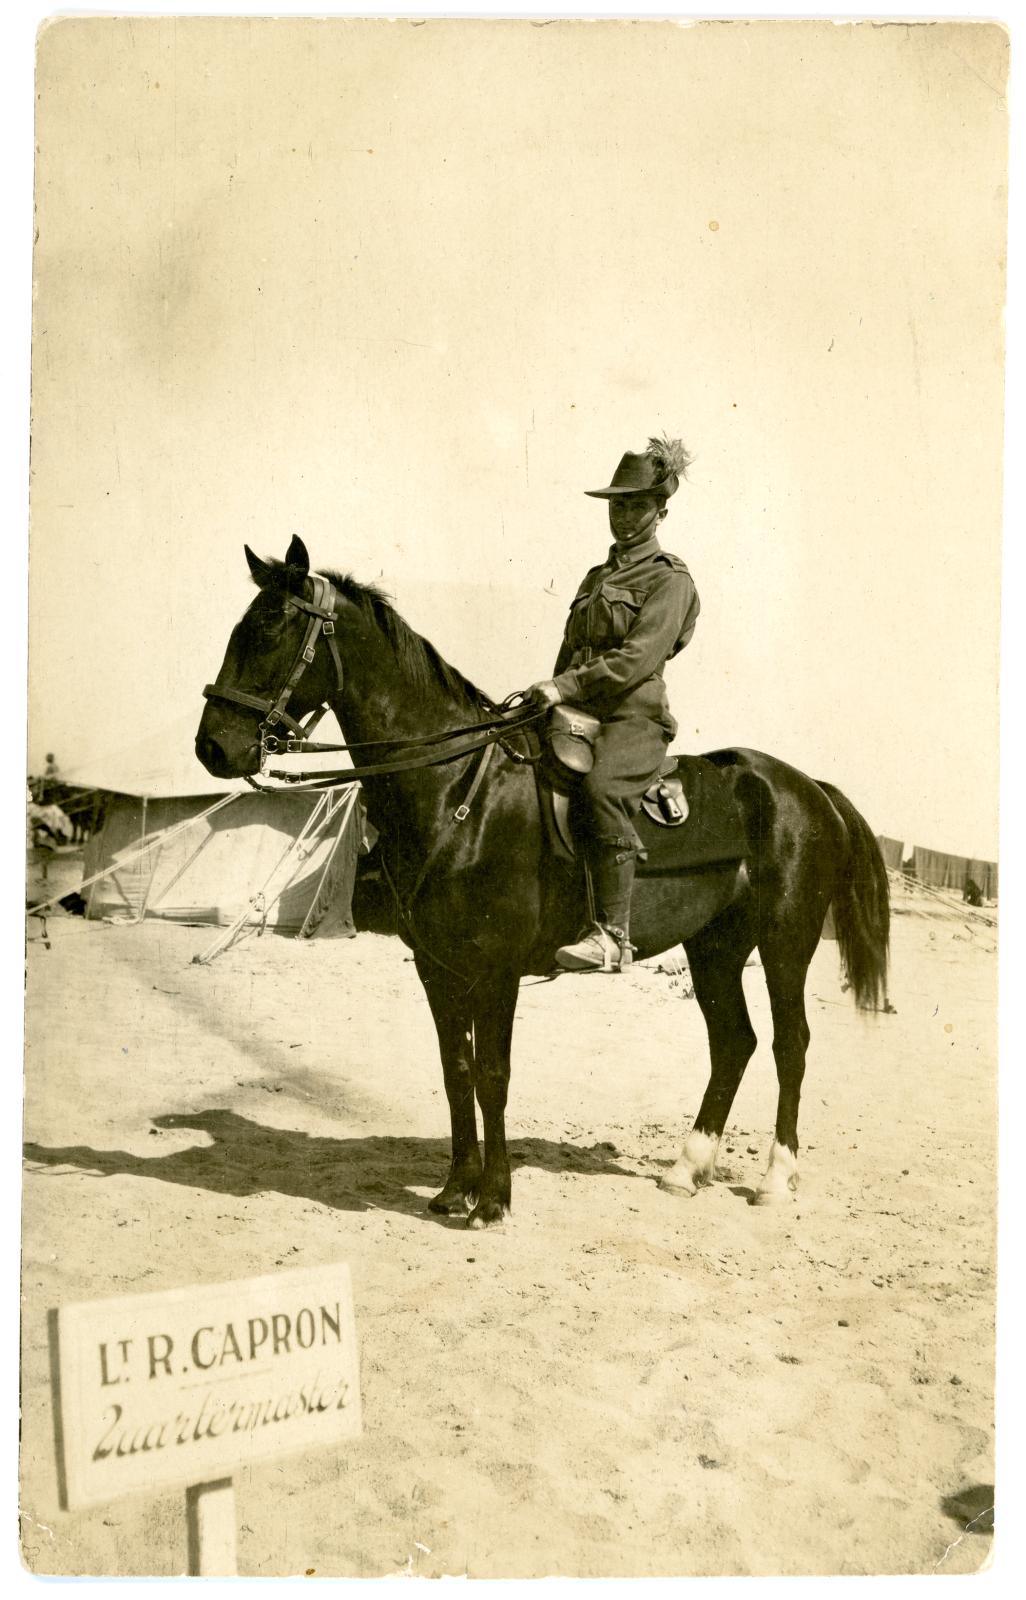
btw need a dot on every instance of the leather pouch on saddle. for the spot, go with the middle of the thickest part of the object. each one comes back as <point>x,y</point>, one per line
<point>571,737</point>
<point>665,801</point>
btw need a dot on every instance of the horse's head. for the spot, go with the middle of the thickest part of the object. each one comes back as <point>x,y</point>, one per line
<point>272,674</point>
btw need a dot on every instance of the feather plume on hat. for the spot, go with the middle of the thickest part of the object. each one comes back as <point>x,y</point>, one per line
<point>670,456</point>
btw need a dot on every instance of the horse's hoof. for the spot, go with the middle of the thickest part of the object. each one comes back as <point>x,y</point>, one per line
<point>488,1214</point>
<point>454,1204</point>
<point>688,1191</point>
<point>780,1180</point>
<point>772,1197</point>
<point>695,1166</point>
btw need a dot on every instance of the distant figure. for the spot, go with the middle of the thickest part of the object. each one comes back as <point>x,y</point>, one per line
<point>48,787</point>
<point>972,894</point>
<point>47,828</point>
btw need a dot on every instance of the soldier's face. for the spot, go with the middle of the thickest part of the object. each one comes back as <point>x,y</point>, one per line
<point>633,517</point>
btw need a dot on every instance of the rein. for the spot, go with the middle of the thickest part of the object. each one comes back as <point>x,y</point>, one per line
<point>306,781</point>
<point>293,746</point>
<point>321,610</point>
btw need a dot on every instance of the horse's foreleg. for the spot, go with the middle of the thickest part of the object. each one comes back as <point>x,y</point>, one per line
<point>785,979</point>
<point>716,970</point>
<point>495,1004</point>
<point>450,1008</point>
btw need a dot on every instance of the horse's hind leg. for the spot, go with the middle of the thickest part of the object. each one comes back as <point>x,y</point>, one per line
<point>785,967</point>
<point>717,961</point>
<point>450,1007</point>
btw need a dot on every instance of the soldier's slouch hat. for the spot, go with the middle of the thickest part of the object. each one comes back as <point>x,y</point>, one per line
<point>657,470</point>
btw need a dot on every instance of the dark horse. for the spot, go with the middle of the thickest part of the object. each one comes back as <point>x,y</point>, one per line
<point>486,901</point>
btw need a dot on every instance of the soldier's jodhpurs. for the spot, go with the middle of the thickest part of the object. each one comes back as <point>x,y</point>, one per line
<point>629,752</point>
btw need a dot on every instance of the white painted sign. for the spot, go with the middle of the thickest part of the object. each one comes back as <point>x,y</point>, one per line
<point>185,1386</point>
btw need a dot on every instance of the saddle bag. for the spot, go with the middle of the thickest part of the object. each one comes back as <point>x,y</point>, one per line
<point>572,734</point>
<point>665,801</point>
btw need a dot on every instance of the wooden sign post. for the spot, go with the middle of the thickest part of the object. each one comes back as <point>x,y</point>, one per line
<point>184,1386</point>
<point>210,1529</point>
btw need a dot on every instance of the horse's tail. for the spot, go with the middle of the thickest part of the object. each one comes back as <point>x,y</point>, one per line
<point>862,907</point>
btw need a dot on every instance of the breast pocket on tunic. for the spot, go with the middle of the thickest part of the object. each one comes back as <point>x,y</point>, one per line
<point>620,610</point>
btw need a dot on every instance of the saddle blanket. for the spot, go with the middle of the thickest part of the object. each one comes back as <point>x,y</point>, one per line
<point>713,831</point>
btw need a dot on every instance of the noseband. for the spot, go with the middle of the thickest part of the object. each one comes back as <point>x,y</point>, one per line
<point>321,610</point>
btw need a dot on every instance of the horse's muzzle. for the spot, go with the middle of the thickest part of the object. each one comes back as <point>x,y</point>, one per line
<point>220,763</point>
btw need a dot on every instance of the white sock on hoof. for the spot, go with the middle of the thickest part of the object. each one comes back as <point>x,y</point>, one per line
<point>695,1165</point>
<point>781,1179</point>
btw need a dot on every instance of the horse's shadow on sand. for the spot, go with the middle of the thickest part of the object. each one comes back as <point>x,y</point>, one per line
<point>376,1173</point>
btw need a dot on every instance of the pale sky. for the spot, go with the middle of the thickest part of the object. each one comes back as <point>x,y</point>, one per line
<point>410,289</point>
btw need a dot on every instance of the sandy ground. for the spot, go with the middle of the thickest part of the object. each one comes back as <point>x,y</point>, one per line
<point>617,1382</point>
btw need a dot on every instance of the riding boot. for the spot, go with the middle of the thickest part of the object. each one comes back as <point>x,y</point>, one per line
<point>612,873</point>
<point>613,877</point>
<point>604,945</point>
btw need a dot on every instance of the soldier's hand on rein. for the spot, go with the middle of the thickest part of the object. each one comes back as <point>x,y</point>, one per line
<point>544,694</point>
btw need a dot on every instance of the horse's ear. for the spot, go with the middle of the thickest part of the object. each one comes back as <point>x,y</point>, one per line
<point>260,569</point>
<point>296,556</point>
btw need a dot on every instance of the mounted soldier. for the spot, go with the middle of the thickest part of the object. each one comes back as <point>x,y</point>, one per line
<point>482,903</point>
<point>631,615</point>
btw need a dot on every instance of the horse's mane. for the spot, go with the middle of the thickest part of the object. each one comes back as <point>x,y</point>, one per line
<point>415,654</point>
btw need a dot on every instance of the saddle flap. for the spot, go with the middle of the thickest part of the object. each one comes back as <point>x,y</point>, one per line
<point>699,790</point>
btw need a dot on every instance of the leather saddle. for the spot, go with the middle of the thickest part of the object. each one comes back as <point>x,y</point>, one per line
<point>570,751</point>
<point>664,803</point>
<point>572,733</point>
<point>688,816</point>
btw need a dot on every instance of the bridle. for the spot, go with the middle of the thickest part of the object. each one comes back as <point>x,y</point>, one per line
<point>436,749</point>
<point>321,610</point>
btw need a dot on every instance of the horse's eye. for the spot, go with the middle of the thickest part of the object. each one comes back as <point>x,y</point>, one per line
<point>266,629</point>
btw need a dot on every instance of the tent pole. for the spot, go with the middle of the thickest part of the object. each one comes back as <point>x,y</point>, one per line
<point>347,811</point>
<point>205,957</point>
<point>158,845</point>
<point>183,869</point>
<point>126,861</point>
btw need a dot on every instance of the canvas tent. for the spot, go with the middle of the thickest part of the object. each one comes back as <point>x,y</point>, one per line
<point>174,843</point>
<point>939,870</point>
<point>892,850</point>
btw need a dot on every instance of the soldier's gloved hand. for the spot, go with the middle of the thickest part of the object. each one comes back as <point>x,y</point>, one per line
<point>544,694</point>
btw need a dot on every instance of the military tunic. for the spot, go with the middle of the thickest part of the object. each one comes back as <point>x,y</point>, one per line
<point>631,615</point>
